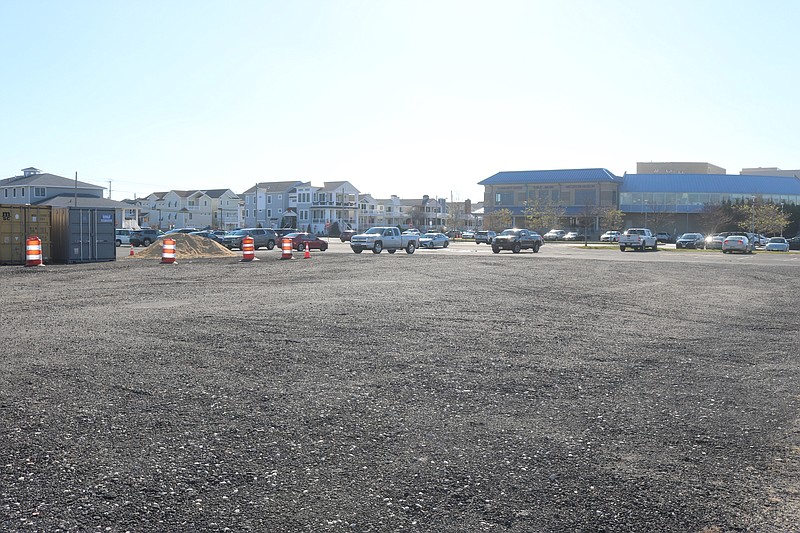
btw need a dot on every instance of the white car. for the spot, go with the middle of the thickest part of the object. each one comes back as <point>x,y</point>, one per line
<point>555,235</point>
<point>777,244</point>
<point>610,236</point>
<point>123,236</point>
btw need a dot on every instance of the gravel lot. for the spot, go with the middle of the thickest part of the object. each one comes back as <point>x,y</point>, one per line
<point>570,390</point>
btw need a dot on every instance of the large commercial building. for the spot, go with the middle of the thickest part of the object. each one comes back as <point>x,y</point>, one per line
<point>668,200</point>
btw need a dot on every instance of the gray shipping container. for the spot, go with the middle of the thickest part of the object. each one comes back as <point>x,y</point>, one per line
<point>83,234</point>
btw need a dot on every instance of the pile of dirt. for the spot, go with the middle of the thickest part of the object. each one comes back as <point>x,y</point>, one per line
<point>187,247</point>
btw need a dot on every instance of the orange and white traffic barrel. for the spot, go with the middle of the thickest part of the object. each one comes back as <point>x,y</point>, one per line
<point>33,252</point>
<point>248,249</point>
<point>286,249</point>
<point>168,252</point>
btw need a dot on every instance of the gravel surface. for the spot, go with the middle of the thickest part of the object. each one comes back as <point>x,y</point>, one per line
<point>426,392</point>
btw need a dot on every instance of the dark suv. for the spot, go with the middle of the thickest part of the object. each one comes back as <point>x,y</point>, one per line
<point>516,240</point>
<point>145,237</point>
<point>262,238</point>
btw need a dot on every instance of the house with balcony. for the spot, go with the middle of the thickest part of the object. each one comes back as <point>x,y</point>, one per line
<point>35,187</point>
<point>397,211</point>
<point>334,202</point>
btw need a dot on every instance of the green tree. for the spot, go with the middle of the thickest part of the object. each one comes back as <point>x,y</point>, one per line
<point>612,219</point>
<point>760,217</point>
<point>497,220</point>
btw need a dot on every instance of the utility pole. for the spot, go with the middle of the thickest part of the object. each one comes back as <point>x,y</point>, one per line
<point>109,189</point>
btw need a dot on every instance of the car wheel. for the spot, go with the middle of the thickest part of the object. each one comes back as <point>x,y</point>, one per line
<point>118,243</point>
<point>516,249</point>
<point>536,248</point>
<point>655,247</point>
<point>301,247</point>
<point>495,250</point>
<point>270,244</point>
<point>377,248</point>
<point>411,248</point>
<point>357,250</point>
<point>446,244</point>
<point>622,248</point>
<point>146,242</point>
<point>323,248</point>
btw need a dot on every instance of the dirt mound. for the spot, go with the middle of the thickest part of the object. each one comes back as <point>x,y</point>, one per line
<point>187,247</point>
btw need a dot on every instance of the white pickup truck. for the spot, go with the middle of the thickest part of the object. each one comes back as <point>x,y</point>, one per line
<point>639,239</point>
<point>382,238</point>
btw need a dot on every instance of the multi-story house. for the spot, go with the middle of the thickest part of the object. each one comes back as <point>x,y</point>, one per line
<point>266,204</point>
<point>217,208</point>
<point>40,188</point>
<point>397,212</point>
<point>371,212</point>
<point>334,202</point>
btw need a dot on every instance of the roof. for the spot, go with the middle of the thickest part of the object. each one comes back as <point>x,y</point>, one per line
<point>216,193</point>
<point>68,200</point>
<point>273,186</point>
<point>550,176</point>
<point>46,180</point>
<point>333,185</point>
<point>711,183</point>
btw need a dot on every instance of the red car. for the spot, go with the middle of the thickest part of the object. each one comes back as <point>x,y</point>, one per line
<point>346,234</point>
<point>301,241</point>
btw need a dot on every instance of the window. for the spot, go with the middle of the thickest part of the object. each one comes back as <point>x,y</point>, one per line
<point>269,198</point>
<point>6,192</point>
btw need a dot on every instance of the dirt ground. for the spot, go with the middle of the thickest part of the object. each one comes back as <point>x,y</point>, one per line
<point>437,392</point>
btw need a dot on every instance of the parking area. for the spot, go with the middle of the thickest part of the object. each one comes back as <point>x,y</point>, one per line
<point>449,390</point>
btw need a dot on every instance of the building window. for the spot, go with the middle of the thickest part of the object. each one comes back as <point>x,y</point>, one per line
<point>269,198</point>
<point>6,192</point>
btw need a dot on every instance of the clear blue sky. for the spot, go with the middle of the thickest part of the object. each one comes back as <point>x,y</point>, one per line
<point>399,97</point>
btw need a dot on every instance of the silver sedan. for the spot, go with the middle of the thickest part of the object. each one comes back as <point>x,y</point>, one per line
<point>434,240</point>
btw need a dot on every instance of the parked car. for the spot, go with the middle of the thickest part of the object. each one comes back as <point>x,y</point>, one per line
<point>453,234</point>
<point>301,241</point>
<point>145,237</point>
<point>714,242</point>
<point>282,232</point>
<point>638,239</point>
<point>262,238</point>
<point>467,234</point>
<point>434,240</point>
<point>663,236</point>
<point>484,237</point>
<point>123,236</point>
<point>691,240</point>
<point>610,236</point>
<point>555,235</point>
<point>516,240</point>
<point>794,242</point>
<point>777,244</point>
<point>412,231</point>
<point>347,234</point>
<point>737,243</point>
<point>181,230</point>
<point>208,235</point>
<point>574,236</point>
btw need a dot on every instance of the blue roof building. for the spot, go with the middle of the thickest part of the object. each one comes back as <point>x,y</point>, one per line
<point>666,201</point>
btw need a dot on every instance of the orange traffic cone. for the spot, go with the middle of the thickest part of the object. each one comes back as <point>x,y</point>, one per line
<point>307,255</point>
<point>131,252</point>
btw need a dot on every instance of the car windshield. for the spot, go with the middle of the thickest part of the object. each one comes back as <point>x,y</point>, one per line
<point>690,236</point>
<point>510,232</point>
<point>430,235</point>
<point>372,231</point>
<point>778,239</point>
<point>292,235</point>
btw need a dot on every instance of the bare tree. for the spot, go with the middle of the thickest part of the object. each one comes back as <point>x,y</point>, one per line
<point>715,216</point>
<point>497,220</point>
<point>542,215</point>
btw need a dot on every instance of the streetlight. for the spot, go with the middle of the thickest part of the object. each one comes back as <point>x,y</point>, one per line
<point>645,213</point>
<point>753,216</point>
